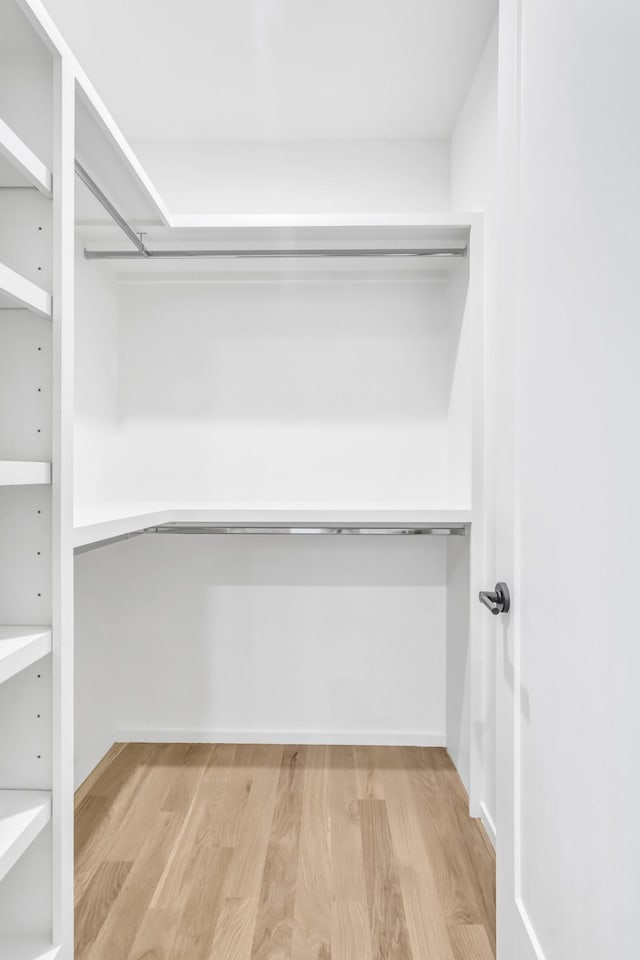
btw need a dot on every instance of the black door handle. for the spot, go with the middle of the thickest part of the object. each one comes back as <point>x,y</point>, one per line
<point>498,600</point>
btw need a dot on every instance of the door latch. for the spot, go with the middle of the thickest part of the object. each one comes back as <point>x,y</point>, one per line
<point>498,600</point>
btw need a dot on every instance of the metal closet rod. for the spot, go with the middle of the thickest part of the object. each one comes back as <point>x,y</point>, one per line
<point>143,253</point>
<point>301,530</point>
<point>456,530</point>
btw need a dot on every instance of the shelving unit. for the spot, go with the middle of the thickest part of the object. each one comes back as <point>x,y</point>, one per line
<point>36,200</point>
<point>20,647</point>
<point>24,472</point>
<point>23,814</point>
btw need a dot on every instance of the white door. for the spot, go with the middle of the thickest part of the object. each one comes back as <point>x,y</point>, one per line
<point>568,655</point>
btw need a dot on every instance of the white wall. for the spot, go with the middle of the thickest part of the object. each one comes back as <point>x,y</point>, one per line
<point>285,391</point>
<point>265,639</point>
<point>97,451</point>
<point>473,188</point>
<point>98,625</point>
<point>324,176</point>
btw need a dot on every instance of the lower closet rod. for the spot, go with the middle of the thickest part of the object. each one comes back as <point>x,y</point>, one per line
<point>280,530</point>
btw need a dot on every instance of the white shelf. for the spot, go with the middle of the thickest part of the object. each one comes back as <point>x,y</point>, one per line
<point>26,948</point>
<point>24,160</point>
<point>20,647</point>
<point>97,522</point>
<point>23,814</point>
<point>17,290</point>
<point>24,472</point>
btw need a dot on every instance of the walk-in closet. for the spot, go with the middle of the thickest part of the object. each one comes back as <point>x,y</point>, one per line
<point>243,529</point>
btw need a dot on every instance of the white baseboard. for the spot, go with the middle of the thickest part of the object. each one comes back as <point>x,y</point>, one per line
<point>331,737</point>
<point>488,824</point>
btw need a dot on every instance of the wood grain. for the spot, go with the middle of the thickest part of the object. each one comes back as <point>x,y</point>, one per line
<point>241,852</point>
<point>273,935</point>
<point>312,928</point>
<point>89,783</point>
<point>470,942</point>
<point>387,921</point>
<point>350,934</point>
<point>347,865</point>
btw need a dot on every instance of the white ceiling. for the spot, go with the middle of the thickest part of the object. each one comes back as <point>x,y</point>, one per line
<point>278,69</point>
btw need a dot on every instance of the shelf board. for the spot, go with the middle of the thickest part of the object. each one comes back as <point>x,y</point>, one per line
<point>24,472</point>
<point>98,522</point>
<point>26,948</point>
<point>20,647</point>
<point>24,160</point>
<point>23,814</point>
<point>19,291</point>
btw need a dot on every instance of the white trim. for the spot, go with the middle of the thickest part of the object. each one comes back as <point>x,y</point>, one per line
<point>24,160</point>
<point>20,647</point>
<point>331,737</point>
<point>62,614</point>
<point>23,292</point>
<point>488,823</point>
<point>529,931</point>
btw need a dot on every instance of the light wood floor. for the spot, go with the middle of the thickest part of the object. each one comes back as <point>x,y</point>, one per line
<point>200,852</point>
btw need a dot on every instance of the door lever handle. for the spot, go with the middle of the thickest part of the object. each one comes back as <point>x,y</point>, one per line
<point>498,600</point>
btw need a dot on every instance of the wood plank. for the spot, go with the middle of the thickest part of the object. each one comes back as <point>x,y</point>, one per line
<point>127,763</point>
<point>312,929</point>
<point>273,934</point>
<point>196,928</point>
<point>94,906</point>
<point>369,782</point>
<point>125,918</point>
<point>187,777</point>
<point>198,828</point>
<point>426,923</point>
<point>163,766</point>
<point>233,935</point>
<point>450,862</point>
<point>387,920</point>
<point>155,936</point>
<point>350,936</point>
<point>244,878</point>
<point>87,785</point>
<point>470,942</point>
<point>347,865</point>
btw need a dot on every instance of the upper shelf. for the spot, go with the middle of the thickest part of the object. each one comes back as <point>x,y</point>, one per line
<point>24,160</point>
<point>99,522</point>
<point>16,290</point>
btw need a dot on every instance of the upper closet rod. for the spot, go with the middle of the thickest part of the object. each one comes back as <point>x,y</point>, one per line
<point>267,254</point>
<point>111,210</point>
<point>142,252</point>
